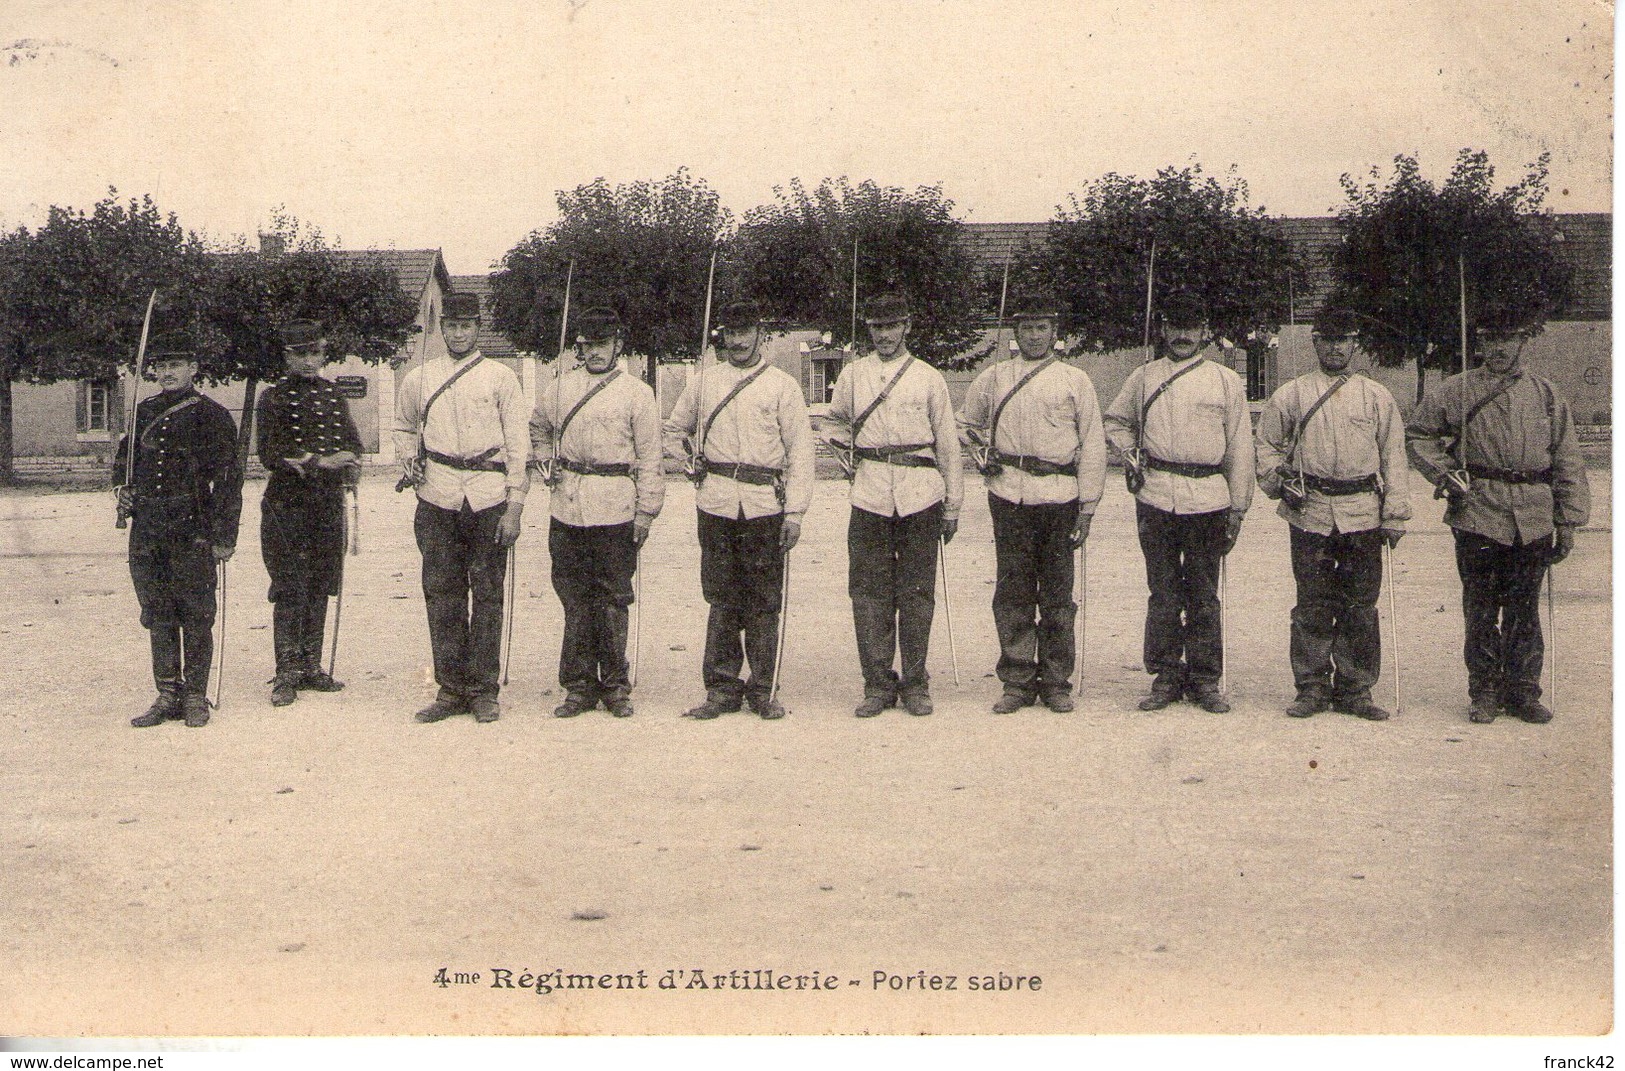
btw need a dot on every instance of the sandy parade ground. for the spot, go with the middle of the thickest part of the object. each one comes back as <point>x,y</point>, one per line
<point>313,869</point>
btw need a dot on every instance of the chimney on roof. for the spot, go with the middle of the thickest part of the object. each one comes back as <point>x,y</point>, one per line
<point>273,244</point>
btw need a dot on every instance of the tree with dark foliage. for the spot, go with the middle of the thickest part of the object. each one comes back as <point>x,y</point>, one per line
<point>1207,240</point>
<point>795,257</point>
<point>642,248</point>
<point>1407,244</point>
<point>75,292</point>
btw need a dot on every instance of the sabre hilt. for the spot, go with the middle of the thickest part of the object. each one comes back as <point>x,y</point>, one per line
<point>1134,469</point>
<point>1454,485</point>
<point>694,469</point>
<point>1294,490</point>
<point>412,477</point>
<point>845,457</point>
<point>549,471</point>
<point>985,458</point>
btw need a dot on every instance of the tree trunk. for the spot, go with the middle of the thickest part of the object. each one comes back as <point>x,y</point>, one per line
<point>1421,378</point>
<point>245,429</point>
<point>8,473</point>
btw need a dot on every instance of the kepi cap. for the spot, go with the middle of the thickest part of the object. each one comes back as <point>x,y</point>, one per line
<point>1038,306</point>
<point>461,305</point>
<point>739,315</point>
<point>1333,322</point>
<point>884,309</point>
<point>1182,307</point>
<point>171,345</point>
<point>597,324</point>
<point>301,333</point>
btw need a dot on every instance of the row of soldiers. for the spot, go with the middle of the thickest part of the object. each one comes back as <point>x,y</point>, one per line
<point>1330,445</point>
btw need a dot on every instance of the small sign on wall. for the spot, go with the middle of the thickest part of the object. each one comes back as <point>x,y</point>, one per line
<point>351,386</point>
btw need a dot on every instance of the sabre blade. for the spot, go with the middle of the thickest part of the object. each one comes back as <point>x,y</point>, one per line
<point>948,606</point>
<point>784,614</point>
<point>135,395</point>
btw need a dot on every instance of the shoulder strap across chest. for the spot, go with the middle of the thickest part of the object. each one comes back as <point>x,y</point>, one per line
<point>998,411</point>
<point>1163,386</point>
<point>705,429</point>
<point>1297,434</point>
<point>857,425</point>
<point>423,417</point>
<point>187,403</point>
<point>592,392</point>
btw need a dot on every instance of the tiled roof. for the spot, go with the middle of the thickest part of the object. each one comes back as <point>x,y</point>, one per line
<point>412,267</point>
<point>994,243</point>
<point>492,343</point>
<point>1587,244</point>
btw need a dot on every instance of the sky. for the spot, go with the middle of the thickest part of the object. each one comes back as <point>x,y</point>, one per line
<point>430,124</point>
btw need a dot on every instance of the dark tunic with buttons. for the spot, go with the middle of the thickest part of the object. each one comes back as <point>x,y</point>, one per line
<point>188,497</point>
<point>302,516</point>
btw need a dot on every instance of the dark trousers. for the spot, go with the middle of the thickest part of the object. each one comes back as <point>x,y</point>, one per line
<point>175,576</point>
<point>592,574</point>
<point>1032,601</point>
<point>1500,601</point>
<point>463,570</point>
<point>1183,646</point>
<point>302,540</point>
<point>892,578</point>
<point>1336,637</point>
<point>741,570</point>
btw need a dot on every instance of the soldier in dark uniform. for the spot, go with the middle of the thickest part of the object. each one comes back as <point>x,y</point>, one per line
<point>310,449</point>
<point>184,503</point>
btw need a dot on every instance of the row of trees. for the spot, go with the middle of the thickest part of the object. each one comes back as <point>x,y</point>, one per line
<point>648,248</point>
<point>72,291</point>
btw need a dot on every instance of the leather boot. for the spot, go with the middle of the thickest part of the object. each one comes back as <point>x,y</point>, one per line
<point>198,643</point>
<point>312,677</point>
<point>287,627</point>
<point>166,674</point>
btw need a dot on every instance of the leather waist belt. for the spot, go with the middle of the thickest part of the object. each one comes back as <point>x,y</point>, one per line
<point>1037,466</point>
<point>896,455</point>
<point>1327,486</point>
<point>760,475</point>
<point>1181,468</point>
<point>587,468</point>
<point>1490,472</point>
<point>485,462</point>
